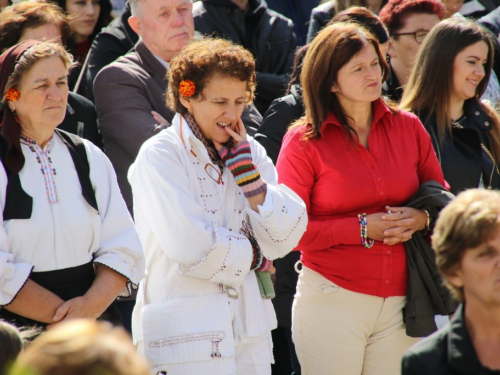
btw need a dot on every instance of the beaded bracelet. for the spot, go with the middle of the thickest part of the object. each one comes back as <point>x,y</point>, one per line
<point>363,226</point>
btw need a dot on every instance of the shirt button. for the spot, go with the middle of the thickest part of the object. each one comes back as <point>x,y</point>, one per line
<point>387,281</point>
<point>388,251</point>
<point>476,113</point>
<point>379,179</point>
<point>389,266</point>
<point>487,123</point>
<point>381,193</point>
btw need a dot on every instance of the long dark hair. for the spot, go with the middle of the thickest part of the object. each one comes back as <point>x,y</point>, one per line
<point>333,47</point>
<point>104,19</point>
<point>430,86</point>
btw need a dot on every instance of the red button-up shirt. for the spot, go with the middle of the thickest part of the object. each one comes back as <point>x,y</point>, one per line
<point>338,181</point>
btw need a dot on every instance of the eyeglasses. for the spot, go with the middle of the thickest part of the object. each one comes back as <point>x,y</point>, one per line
<point>213,173</point>
<point>418,35</point>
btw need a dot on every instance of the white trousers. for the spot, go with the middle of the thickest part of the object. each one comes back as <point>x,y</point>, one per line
<point>251,358</point>
<point>340,332</point>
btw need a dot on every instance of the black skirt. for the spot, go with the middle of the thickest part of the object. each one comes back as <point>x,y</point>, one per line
<point>66,283</point>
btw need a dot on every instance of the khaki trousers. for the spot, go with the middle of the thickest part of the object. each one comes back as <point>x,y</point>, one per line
<point>340,332</point>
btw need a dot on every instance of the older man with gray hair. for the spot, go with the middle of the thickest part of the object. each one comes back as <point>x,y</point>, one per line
<point>130,92</point>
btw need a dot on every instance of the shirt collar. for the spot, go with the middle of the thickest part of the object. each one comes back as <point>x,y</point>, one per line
<point>166,64</point>
<point>380,110</point>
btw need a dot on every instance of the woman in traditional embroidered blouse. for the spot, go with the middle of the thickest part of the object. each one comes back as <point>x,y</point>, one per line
<point>355,162</point>
<point>457,57</point>
<point>210,213</point>
<point>63,215</point>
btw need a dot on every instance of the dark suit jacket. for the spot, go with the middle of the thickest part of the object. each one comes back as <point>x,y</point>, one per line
<point>126,92</point>
<point>449,351</point>
<point>112,42</point>
<point>81,119</point>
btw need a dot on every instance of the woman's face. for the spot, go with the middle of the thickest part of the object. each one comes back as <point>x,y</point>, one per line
<point>44,94</point>
<point>360,80</point>
<point>85,13</point>
<point>468,70</point>
<point>404,48</point>
<point>49,32</point>
<point>479,273</point>
<point>221,104</point>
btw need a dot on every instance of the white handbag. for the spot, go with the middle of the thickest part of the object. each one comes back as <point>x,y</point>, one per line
<point>188,329</point>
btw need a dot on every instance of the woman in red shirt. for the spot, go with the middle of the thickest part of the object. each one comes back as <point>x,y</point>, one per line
<point>355,162</point>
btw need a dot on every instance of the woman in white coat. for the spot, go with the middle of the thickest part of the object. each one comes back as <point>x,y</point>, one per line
<point>210,213</point>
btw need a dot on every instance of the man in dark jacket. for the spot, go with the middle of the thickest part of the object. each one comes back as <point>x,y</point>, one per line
<point>467,244</point>
<point>111,43</point>
<point>267,34</point>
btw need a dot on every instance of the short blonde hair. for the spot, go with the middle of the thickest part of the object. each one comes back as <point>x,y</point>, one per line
<point>470,220</point>
<point>34,54</point>
<point>81,347</point>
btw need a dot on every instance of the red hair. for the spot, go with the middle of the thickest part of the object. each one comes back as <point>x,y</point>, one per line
<point>395,12</point>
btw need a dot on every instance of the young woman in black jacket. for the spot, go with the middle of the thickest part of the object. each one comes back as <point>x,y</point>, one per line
<point>450,75</point>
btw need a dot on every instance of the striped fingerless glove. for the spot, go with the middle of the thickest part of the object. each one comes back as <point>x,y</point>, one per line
<point>239,161</point>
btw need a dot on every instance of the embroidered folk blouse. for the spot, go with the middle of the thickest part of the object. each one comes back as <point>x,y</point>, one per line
<point>190,228</point>
<point>64,230</point>
<point>338,180</point>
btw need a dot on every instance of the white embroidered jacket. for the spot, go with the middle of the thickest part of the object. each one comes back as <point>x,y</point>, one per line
<point>190,228</point>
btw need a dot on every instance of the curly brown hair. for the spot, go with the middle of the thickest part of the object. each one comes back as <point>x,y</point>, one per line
<point>200,60</point>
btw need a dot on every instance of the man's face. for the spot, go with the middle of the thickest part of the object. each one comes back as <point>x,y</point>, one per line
<point>479,274</point>
<point>165,26</point>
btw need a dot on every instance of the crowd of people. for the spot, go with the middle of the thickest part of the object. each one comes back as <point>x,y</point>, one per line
<point>249,187</point>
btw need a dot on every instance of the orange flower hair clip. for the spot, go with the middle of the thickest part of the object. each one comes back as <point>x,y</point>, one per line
<point>187,87</point>
<point>12,95</point>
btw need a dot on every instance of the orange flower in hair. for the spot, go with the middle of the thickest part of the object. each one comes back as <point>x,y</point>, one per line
<point>12,95</point>
<point>187,87</point>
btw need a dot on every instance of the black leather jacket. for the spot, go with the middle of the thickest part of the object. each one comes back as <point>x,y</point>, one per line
<point>462,154</point>
<point>267,34</point>
<point>319,18</point>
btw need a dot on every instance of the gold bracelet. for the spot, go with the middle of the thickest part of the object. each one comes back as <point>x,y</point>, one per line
<point>428,223</point>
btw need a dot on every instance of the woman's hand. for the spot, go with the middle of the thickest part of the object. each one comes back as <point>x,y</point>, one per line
<point>104,290</point>
<point>406,221</point>
<point>238,160</point>
<point>377,226</point>
<point>238,134</point>
<point>162,123</point>
<point>77,308</point>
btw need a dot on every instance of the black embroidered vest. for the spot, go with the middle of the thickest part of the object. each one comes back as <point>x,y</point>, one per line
<point>19,205</point>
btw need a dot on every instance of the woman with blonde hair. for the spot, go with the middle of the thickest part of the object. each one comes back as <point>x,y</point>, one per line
<point>457,57</point>
<point>81,347</point>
